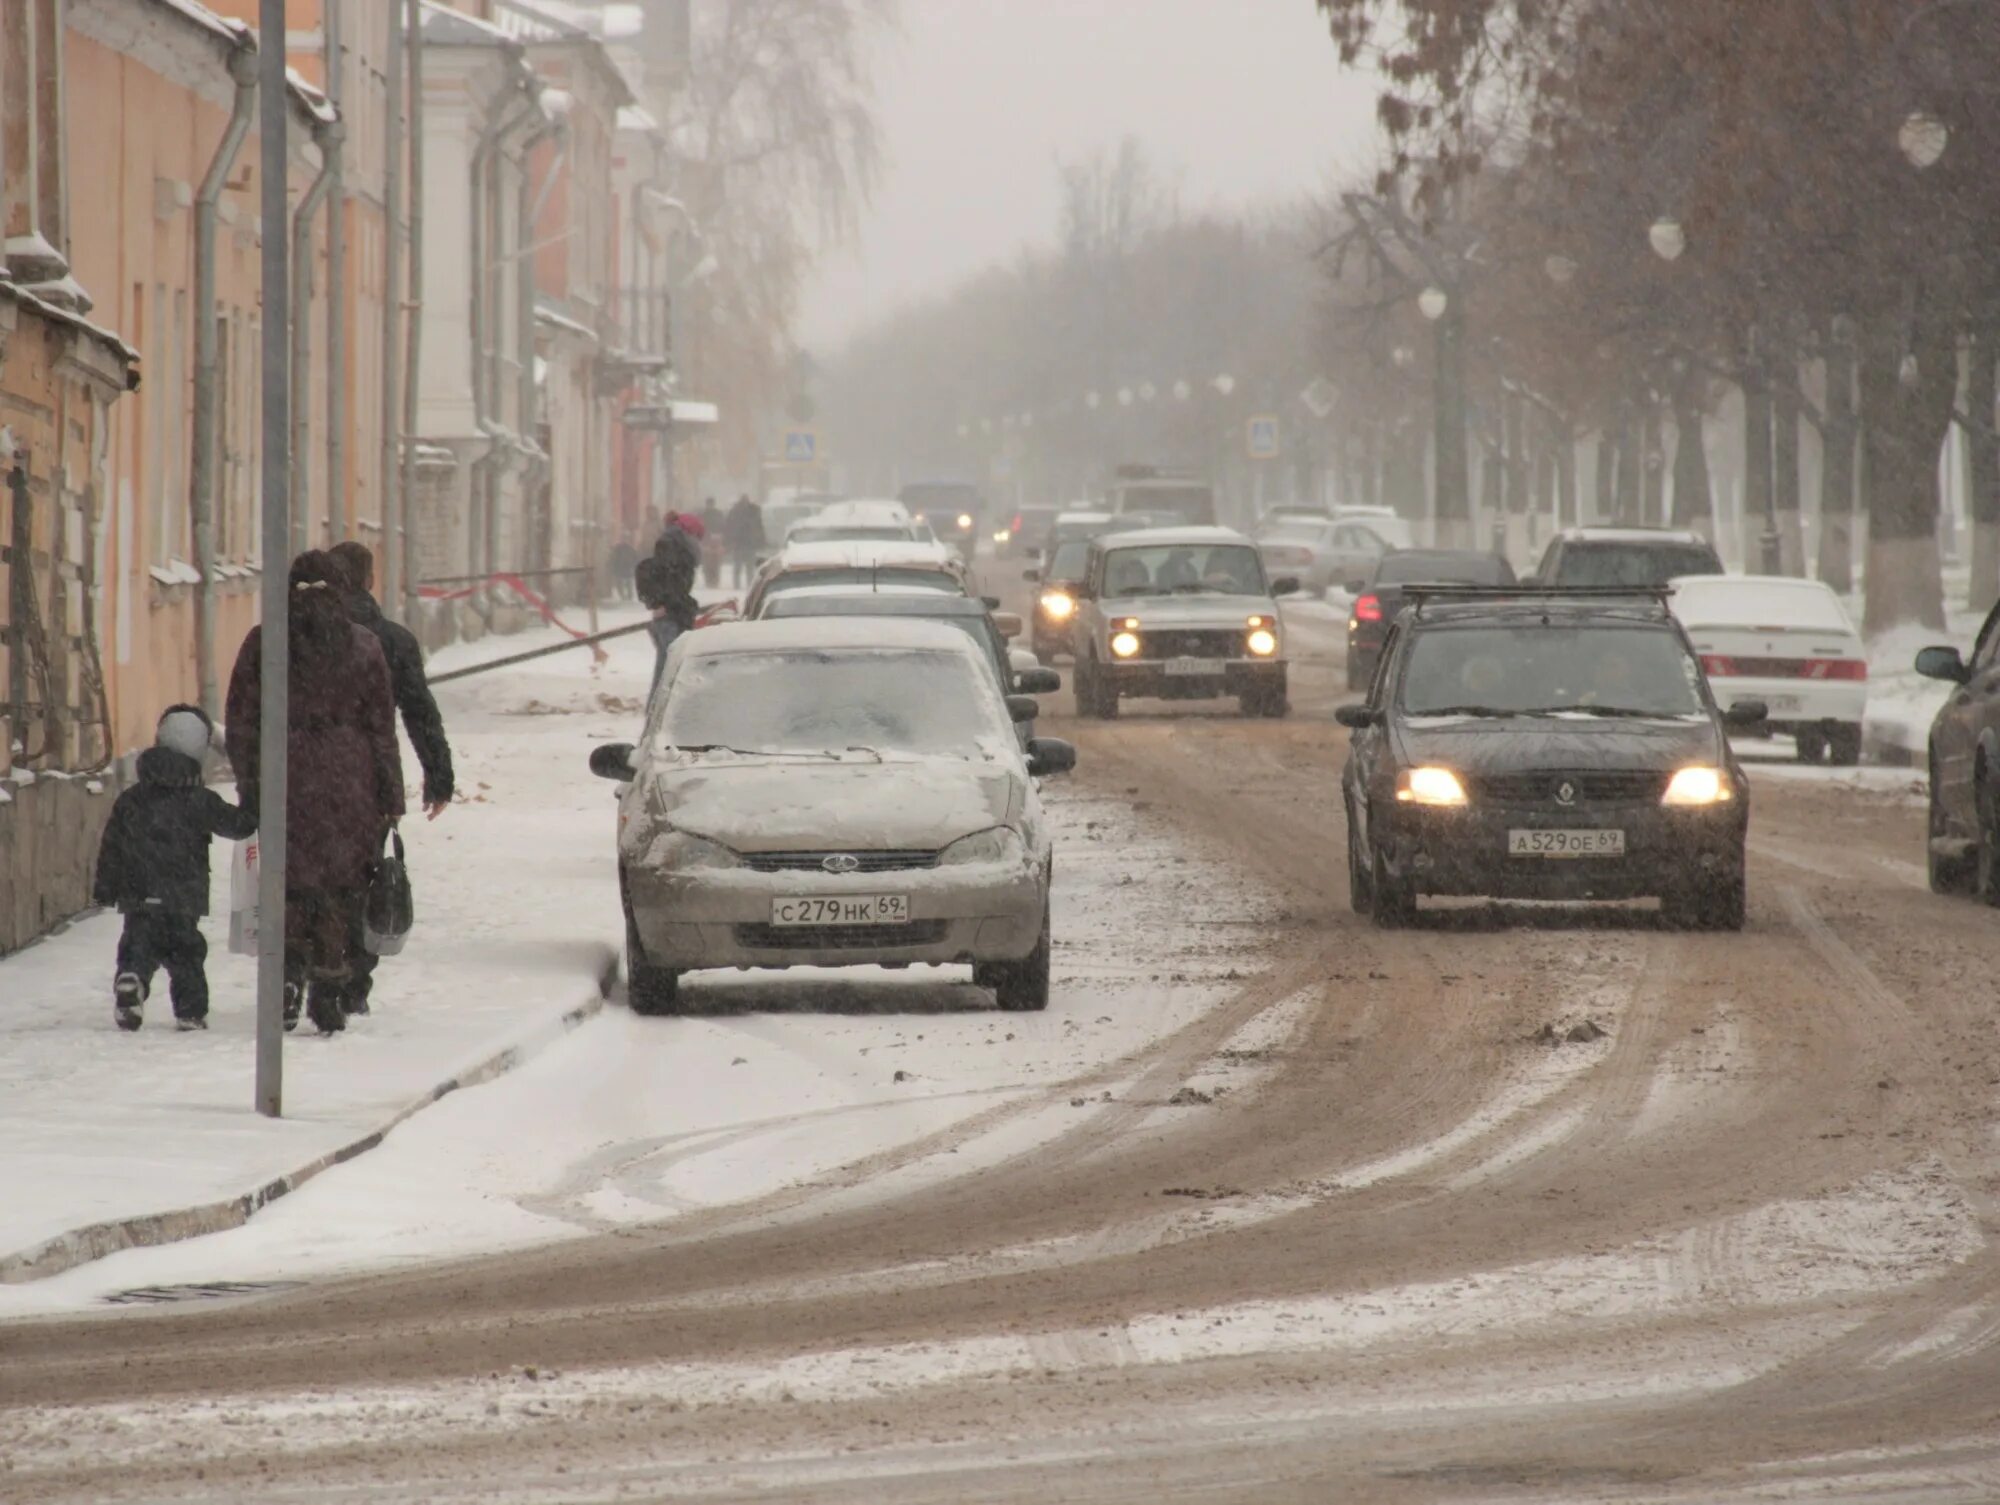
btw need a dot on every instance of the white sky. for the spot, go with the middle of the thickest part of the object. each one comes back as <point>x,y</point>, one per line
<point>1243,101</point>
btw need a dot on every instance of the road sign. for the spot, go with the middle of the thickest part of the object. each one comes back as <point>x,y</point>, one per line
<point>1319,397</point>
<point>801,446</point>
<point>1262,437</point>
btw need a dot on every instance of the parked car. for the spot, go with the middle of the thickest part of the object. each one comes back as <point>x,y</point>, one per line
<point>857,522</point>
<point>1964,758</point>
<point>1529,744</point>
<point>1182,614</point>
<point>1643,557</point>
<point>905,565</point>
<point>954,510</point>
<point>1385,523</point>
<point>1785,642</point>
<point>1276,516</point>
<point>1378,598</point>
<point>832,794</point>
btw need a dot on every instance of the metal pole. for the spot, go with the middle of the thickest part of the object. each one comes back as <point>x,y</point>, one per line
<point>413,336</point>
<point>392,308</point>
<point>274,723</point>
<point>337,491</point>
<point>327,135</point>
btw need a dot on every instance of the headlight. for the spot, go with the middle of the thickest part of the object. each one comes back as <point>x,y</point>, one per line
<point>999,844</point>
<point>1059,605</point>
<point>1429,786</point>
<point>676,851</point>
<point>1125,644</point>
<point>964,520</point>
<point>1697,786</point>
<point>1002,536</point>
<point>1263,642</point>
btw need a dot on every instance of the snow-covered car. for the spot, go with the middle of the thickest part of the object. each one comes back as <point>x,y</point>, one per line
<point>903,565</point>
<point>1624,557</point>
<point>1182,614</point>
<point>831,794</point>
<point>1788,643</point>
<point>856,522</point>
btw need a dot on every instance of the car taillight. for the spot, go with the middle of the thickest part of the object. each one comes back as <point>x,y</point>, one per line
<point>1016,527</point>
<point>1836,668</point>
<point>1718,665</point>
<point>1368,609</point>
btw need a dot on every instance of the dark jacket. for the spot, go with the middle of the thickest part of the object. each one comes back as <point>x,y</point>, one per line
<point>412,689</point>
<point>346,775</point>
<point>745,526</point>
<point>155,849</point>
<point>676,560</point>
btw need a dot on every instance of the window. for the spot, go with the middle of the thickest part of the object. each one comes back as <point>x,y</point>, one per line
<point>33,211</point>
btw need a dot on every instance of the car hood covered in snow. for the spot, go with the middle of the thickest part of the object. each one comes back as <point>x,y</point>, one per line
<point>1565,741</point>
<point>756,804</point>
<point>1191,610</point>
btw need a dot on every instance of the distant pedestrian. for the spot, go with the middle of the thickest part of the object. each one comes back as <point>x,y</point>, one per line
<point>153,865</point>
<point>745,527</point>
<point>713,546</point>
<point>422,721</point>
<point>623,557</point>
<point>346,780</point>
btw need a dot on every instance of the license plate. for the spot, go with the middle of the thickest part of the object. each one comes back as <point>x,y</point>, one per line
<point>1781,703</point>
<point>1191,666</point>
<point>1565,843</point>
<point>848,909</point>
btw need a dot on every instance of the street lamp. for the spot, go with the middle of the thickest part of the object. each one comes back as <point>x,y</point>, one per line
<point>1923,138</point>
<point>1182,391</point>
<point>1667,238</point>
<point>1432,303</point>
<point>1225,384</point>
<point>1124,397</point>
<point>1091,400</point>
<point>1147,392</point>
<point>1403,357</point>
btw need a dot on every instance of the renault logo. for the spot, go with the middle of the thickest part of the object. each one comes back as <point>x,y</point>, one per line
<point>840,862</point>
<point>1565,793</point>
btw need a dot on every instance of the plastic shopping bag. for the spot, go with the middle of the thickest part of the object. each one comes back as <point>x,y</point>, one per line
<point>243,898</point>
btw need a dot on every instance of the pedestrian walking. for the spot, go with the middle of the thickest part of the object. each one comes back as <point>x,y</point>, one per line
<point>745,527</point>
<point>422,722</point>
<point>665,582</point>
<point>713,546</point>
<point>624,557</point>
<point>346,780</point>
<point>153,865</point>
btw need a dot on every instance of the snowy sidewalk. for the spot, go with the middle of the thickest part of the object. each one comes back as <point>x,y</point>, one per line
<point>111,1139</point>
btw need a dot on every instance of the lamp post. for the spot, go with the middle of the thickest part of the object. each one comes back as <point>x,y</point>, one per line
<point>1451,496</point>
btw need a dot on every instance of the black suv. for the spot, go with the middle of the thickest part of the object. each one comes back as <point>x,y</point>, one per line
<point>1544,744</point>
<point>1625,557</point>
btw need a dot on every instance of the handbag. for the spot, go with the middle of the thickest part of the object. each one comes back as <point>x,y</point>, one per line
<point>243,898</point>
<point>389,910</point>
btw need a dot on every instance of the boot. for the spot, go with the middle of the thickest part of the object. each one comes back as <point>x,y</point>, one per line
<point>325,1007</point>
<point>128,1000</point>
<point>294,1004</point>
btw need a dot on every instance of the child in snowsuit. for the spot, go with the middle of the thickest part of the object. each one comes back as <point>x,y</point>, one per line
<point>153,865</point>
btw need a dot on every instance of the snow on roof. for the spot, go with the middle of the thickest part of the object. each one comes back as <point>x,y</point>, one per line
<point>563,322</point>
<point>454,27</point>
<point>202,16</point>
<point>1757,601</point>
<point>60,315</point>
<point>637,118</point>
<point>1631,535</point>
<point>311,98</point>
<point>864,513</point>
<point>801,633</point>
<point>1141,538</point>
<point>898,600</point>
<point>861,553</point>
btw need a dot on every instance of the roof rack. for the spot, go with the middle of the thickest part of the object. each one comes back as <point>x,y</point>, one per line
<point>1653,595</point>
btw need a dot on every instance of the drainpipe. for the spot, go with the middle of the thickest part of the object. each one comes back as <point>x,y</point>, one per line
<point>534,472</point>
<point>414,330</point>
<point>336,292</point>
<point>201,462</point>
<point>327,134</point>
<point>390,502</point>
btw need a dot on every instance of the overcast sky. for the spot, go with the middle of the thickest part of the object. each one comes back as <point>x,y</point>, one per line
<point>1244,101</point>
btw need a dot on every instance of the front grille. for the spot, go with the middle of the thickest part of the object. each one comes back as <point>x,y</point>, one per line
<point>1592,786</point>
<point>1191,643</point>
<point>838,937</point>
<point>890,861</point>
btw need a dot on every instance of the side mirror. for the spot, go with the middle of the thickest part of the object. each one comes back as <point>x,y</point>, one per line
<point>1357,717</point>
<point>991,603</point>
<point>1037,682</point>
<point>1286,586</point>
<point>1354,587</point>
<point>1943,663</point>
<point>1047,755</point>
<point>613,760</point>
<point>1009,624</point>
<point>1033,577</point>
<point>1746,713</point>
<point>1023,707</point>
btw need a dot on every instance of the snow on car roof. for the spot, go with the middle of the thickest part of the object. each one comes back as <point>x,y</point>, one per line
<point>867,513</point>
<point>899,598</point>
<point>1758,600</point>
<point>792,634</point>
<point>1632,535</point>
<point>860,553</point>
<point>1191,537</point>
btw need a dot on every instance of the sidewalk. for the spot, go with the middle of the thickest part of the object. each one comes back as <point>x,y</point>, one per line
<point>112,1139</point>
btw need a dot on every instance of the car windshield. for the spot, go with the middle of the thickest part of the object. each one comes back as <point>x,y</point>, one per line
<point>1633,563</point>
<point>1431,565</point>
<point>977,626</point>
<point>888,577</point>
<point>1192,569</point>
<point>851,533</point>
<point>1590,668</point>
<point>921,701</point>
<point>1067,561</point>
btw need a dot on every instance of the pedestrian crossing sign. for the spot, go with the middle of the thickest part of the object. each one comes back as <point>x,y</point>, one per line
<point>801,446</point>
<point>1262,437</point>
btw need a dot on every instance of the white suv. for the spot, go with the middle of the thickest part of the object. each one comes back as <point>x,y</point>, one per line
<point>1181,614</point>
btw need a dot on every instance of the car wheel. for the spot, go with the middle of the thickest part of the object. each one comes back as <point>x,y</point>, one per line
<point>1811,744</point>
<point>1392,904</point>
<point>649,989</point>
<point>1986,858</point>
<point>1843,744</point>
<point>1022,987</point>
<point>1715,905</point>
<point>1948,875</point>
<point>1360,880</point>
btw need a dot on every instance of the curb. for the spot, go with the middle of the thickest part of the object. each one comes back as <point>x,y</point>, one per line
<point>80,1246</point>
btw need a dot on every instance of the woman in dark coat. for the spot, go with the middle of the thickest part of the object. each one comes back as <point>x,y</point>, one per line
<point>346,779</point>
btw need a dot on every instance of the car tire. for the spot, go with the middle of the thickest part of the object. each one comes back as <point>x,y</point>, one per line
<point>651,990</point>
<point>1843,744</point>
<point>1393,905</point>
<point>1022,987</point>
<point>1360,878</point>
<point>1986,848</point>
<point>1948,875</point>
<point>1811,744</point>
<point>1710,906</point>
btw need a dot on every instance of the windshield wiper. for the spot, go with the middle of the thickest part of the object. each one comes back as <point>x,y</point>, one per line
<point>1465,710</point>
<point>1629,712</point>
<point>1200,587</point>
<point>753,752</point>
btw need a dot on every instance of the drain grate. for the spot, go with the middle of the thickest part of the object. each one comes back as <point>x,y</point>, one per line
<point>208,1290</point>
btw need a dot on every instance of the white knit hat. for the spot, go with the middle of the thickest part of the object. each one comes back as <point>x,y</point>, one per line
<point>186,732</point>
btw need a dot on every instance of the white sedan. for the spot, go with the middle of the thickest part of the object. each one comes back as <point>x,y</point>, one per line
<point>833,792</point>
<point>1788,643</point>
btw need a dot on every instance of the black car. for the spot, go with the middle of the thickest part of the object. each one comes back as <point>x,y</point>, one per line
<point>954,509</point>
<point>1376,605</point>
<point>1541,744</point>
<point>1631,558</point>
<point>1060,577</point>
<point>1965,767</point>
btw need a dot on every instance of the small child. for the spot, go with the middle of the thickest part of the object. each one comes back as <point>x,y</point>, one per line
<point>153,865</point>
